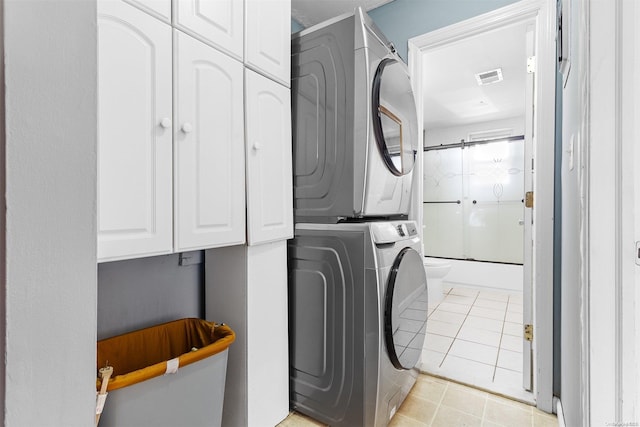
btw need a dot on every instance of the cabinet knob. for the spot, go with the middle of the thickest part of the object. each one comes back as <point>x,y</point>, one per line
<point>165,122</point>
<point>187,127</point>
<point>257,146</point>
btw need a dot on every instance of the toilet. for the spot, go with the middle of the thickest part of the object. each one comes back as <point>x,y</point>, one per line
<point>435,269</point>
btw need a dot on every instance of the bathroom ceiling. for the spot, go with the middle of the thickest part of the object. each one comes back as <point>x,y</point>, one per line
<point>311,12</point>
<point>452,95</point>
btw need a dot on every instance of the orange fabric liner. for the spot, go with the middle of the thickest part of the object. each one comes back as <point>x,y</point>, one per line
<point>141,355</point>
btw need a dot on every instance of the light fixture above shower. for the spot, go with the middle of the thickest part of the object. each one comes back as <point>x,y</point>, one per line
<point>488,77</point>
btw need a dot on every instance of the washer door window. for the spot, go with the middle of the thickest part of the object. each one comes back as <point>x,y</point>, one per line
<point>405,314</point>
<point>395,122</point>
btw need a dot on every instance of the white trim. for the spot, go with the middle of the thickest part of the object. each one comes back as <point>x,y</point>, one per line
<point>514,13</point>
<point>490,134</point>
<point>613,195</point>
<point>632,290</point>
<point>630,211</point>
<point>560,413</point>
<point>580,37</point>
<point>604,199</point>
<point>416,211</point>
<point>544,12</point>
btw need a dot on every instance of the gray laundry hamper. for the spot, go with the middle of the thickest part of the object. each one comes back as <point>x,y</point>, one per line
<point>170,375</point>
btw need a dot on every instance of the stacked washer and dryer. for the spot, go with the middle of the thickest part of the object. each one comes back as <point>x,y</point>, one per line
<point>357,287</point>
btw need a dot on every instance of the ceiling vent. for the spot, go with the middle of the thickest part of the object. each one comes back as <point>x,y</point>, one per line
<point>488,77</point>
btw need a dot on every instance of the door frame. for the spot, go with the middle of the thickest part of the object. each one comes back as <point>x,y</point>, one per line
<point>544,14</point>
<point>611,190</point>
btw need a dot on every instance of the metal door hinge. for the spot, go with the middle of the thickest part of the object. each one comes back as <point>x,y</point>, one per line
<point>528,332</point>
<point>531,65</point>
<point>528,199</point>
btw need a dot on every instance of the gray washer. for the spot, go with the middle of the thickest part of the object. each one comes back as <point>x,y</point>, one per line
<point>357,319</point>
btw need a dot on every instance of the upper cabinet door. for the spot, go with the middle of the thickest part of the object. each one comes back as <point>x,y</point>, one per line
<point>209,202</point>
<point>216,22</point>
<point>158,8</point>
<point>269,176</point>
<point>134,136</point>
<point>268,38</point>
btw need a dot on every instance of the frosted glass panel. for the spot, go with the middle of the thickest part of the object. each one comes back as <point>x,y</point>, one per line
<point>493,232</point>
<point>443,230</point>
<point>496,171</point>
<point>443,175</point>
<point>488,180</point>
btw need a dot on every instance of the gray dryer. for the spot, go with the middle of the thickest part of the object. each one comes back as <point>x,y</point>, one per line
<point>355,129</point>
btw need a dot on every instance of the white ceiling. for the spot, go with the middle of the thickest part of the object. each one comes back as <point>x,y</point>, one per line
<point>452,96</point>
<point>311,12</point>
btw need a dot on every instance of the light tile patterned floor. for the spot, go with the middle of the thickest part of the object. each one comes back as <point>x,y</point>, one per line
<point>434,402</point>
<point>476,337</point>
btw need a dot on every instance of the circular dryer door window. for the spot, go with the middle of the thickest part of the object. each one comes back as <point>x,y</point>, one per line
<point>395,122</point>
<point>405,314</point>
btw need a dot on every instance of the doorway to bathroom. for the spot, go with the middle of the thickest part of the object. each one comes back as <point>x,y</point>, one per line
<point>486,90</point>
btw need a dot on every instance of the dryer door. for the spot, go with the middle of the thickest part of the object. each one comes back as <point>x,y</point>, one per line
<point>405,314</point>
<point>395,121</point>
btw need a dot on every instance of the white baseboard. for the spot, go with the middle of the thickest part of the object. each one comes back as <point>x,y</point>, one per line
<point>503,277</point>
<point>560,413</point>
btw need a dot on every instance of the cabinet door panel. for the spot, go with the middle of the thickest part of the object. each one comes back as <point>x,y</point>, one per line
<point>216,22</point>
<point>134,150</point>
<point>268,38</point>
<point>159,8</point>
<point>269,179</point>
<point>209,147</point>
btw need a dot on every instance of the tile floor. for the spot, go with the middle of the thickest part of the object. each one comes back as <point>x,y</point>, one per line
<point>435,402</point>
<point>475,337</point>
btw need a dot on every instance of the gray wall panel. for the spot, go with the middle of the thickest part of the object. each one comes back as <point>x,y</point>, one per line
<point>138,293</point>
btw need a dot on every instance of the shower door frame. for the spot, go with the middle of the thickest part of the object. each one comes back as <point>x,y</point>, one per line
<point>527,156</point>
<point>543,12</point>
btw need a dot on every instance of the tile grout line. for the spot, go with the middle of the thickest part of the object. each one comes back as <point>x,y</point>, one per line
<point>459,328</point>
<point>429,316</point>
<point>495,368</point>
<point>433,417</point>
<point>484,409</point>
<point>437,305</point>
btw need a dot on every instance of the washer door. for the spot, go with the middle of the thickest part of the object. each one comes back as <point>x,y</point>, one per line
<point>405,314</point>
<point>395,122</point>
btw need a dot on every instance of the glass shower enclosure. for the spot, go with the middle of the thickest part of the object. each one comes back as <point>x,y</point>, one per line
<point>474,200</point>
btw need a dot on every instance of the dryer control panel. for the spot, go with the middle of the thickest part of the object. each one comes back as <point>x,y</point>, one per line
<point>390,232</point>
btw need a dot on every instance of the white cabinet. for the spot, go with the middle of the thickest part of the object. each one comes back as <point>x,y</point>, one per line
<point>134,137</point>
<point>158,8</point>
<point>171,168</point>
<point>268,38</point>
<point>172,120</point>
<point>246,287</point>
<point>209,203</point>
<point>268,165</point>
<point>219,22</point>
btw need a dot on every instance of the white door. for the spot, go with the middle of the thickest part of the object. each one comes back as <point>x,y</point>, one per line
<point>268,38</point>
<point>218,22</point>
<point>527,266</point>
<point>208,147</point>
<point>267,328</point>
<point>269,175</point>
<point>134,133</point>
